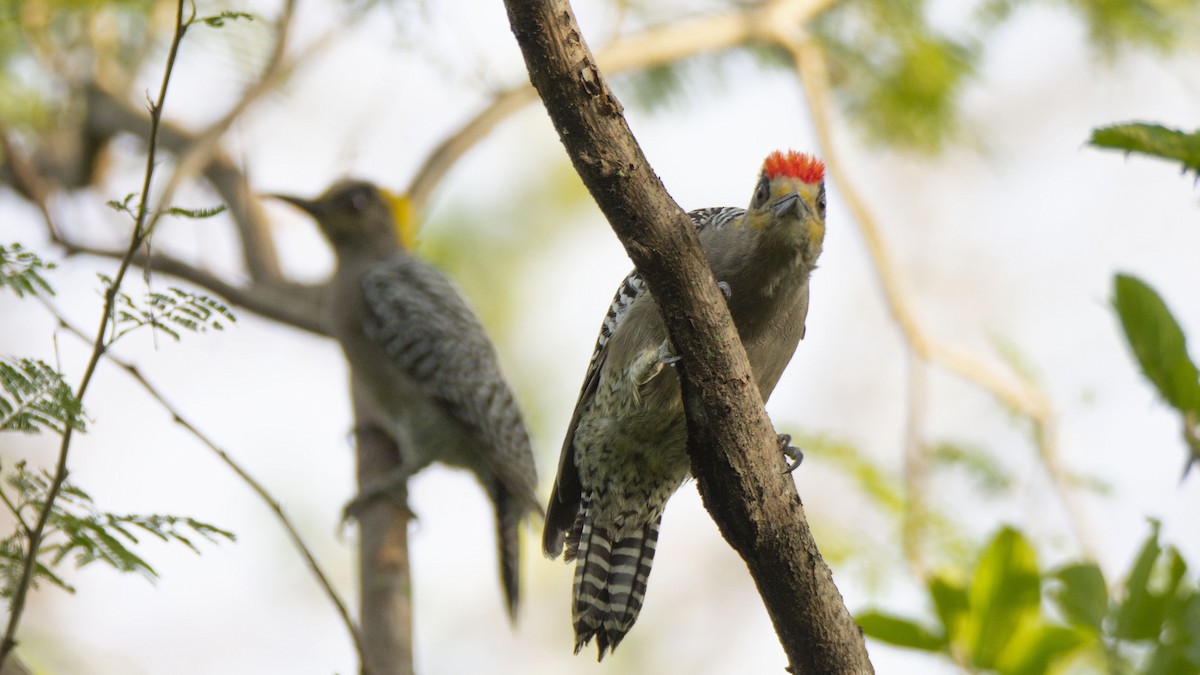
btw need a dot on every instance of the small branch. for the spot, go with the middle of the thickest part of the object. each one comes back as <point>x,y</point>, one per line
<point>27,180</point>
<point>649,48</point>
<point>733,448</point>
<point>1008,388</point>
<point>916,467</point>
<point>261,259</point>
<point>25,528</point>
<point>272,503</point>
<point>98,348</point>
<point>297,305</point>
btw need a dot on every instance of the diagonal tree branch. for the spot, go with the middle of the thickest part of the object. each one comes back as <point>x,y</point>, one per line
<point>297,305</point>
<point>733,447</point>
<point>649,48</point>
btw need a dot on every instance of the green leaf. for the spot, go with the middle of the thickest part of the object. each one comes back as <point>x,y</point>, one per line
<point>1141,613</point>
<point>1188,627</point>
<point>950,603</point>
<point>196,214</point>
<point>898,631</point>
<point>1004,594</point>
<point>1153,140</point>
<point>218,20</point>
<point>1035,648</point>
<point>1157,342</point>
<point>1082,595</point>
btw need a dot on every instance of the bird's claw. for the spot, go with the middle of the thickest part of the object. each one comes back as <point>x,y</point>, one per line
<point>393,488</point>
<point>791,452</point>
<point>666,355</point>
<point>725,289</point>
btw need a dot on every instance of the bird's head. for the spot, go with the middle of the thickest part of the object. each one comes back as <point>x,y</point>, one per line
<point>789,200</point>
<point>354,212</point>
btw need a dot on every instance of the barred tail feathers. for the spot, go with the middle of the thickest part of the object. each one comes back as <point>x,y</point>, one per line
<point>509,513</point>
<point>610,582</point>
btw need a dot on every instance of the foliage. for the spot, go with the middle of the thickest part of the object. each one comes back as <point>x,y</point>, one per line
<point>35,398</point>
<point>20,270</point>
<point>899,77</point>
<point>167,312</point>
<point>1160,347</point>
<point>1006,618</point>
<point>76,529</point>
<point>1154,140</point>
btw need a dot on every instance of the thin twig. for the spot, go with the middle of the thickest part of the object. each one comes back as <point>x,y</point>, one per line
<point>28,180</point>
<point>1009,388</point>
<point>207,143</point>
<point>99,345</point>
<point>297,305</point>
<point>16,513</point>
<point>272,503</point>
<point>916,465</point>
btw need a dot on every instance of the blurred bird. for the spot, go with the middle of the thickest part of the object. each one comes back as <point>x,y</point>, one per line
<point>422,369</point>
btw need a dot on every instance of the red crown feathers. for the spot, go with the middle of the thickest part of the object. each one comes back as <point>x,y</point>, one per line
<point>798,165</point>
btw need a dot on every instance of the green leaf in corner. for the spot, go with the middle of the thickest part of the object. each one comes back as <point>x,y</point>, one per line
<point>1154,140</point>
<point>1004,594</point>
<point>1158,343</point>
<point>950,603</point>
<point>899,631</point>
<point>1150,590</point>
<point>1082,596</point>
<point>1035,648</point>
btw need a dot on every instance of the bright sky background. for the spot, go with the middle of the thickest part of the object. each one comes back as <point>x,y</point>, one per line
<point>1012,238</point>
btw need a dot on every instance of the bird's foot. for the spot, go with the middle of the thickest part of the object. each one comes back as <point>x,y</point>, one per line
<point>392,487</point>
<point>667,355</point>
<point>725,289</point>
<point>796,455</point>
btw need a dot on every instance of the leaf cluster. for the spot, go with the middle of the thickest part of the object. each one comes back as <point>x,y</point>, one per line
<point>34,397</point>
<point>21,270</point>
<point>167,313</point>
<point>77,530</point>
<point>1013,618</point>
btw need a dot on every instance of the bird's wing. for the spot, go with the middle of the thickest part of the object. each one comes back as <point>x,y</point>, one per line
<point>420,320</point>
<point>567,494</point>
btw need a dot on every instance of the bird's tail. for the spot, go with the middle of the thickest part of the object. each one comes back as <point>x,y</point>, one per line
<point>610,580</point>
<point>509,513</point>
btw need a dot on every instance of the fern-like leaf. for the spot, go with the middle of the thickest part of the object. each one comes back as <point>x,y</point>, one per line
<point>168,313</point>
<point>20,270</point>
<point>34,397</point>
<point>77,530</point>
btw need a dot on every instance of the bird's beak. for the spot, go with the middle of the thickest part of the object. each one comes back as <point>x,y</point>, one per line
<point>788,203</point>
<point>310,207</point>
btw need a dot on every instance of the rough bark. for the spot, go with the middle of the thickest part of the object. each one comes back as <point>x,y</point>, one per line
<point>733,447</point>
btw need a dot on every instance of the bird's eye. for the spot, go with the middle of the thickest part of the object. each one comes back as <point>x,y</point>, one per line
<point>821,203</point>
<point>355,200</point>
<point>762,193</point>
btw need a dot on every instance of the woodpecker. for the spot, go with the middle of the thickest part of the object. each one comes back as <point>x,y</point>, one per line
<point>422,369</point>
<point>624,454</point>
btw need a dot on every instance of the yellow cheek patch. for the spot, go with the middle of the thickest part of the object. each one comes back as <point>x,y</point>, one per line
<point>816,232</point>
<point>404,218</point>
